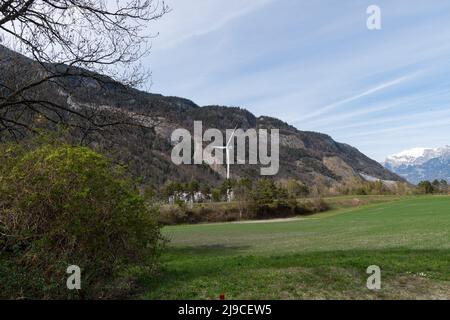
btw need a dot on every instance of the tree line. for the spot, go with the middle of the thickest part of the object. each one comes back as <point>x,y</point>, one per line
<point>267,189</point>
<point>434,187</point>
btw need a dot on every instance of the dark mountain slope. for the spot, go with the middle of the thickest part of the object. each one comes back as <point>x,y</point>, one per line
<point>146,148</point>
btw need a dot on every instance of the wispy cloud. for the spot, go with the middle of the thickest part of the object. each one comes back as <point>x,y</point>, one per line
<point>388,105</point>
<point>368,92</point>
<point>441,121</point>
<point>209,25</point>
<point>394,121</point>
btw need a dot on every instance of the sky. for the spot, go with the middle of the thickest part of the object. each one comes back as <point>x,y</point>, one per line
<point>315,65</point>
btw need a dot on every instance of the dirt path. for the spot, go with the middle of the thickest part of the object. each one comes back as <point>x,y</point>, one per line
<point>271,220</point>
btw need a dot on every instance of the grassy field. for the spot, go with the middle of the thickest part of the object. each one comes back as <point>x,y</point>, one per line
<point>324,256</point>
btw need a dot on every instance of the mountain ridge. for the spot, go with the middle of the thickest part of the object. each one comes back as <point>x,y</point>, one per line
<point>304,155</point>
<point>419,164</point>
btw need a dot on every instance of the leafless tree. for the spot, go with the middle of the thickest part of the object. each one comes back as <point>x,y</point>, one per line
<point>68,41</point>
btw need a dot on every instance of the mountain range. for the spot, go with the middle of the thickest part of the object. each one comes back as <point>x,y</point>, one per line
<point>420,164</point>
<point>305,156</point>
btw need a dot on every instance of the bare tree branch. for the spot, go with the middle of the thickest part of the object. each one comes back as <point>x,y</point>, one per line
<point>71,42</point>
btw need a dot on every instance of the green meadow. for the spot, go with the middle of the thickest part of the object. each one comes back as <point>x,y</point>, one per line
<point>323,256</point>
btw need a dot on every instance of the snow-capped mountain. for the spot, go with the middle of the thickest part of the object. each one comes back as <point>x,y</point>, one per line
<point>420,164</point>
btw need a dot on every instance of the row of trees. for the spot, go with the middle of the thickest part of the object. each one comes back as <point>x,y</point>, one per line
<point>291,189</point>
<point>266,190</point>
<point>262,190</point>
<point>252,199</point>
<point>437,186</point>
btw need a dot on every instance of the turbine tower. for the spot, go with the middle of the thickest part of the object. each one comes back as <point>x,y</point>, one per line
<point>227,149</point>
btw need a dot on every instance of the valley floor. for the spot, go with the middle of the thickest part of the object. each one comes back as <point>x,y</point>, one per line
<point>324,256</point>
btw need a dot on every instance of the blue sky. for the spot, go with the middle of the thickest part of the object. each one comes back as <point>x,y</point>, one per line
<point>315,65</point>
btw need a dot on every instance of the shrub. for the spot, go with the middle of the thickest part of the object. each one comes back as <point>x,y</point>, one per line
<point>216,195</point>
<point>316,205</point>
<point>62,205</point>
<point>296,189</point>
<point>425,187</point>
<point>265,193</point>
<point>214,212</point>
<point>173,214</point>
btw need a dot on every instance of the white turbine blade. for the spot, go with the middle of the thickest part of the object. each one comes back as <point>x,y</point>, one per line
<point>232,135</point>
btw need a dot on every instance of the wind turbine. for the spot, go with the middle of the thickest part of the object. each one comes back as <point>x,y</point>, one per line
<point>227,149</point>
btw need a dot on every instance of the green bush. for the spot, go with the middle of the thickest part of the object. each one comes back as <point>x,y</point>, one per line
<point>62,205</point>
<point>425,187</point>
<point>316,205</point>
